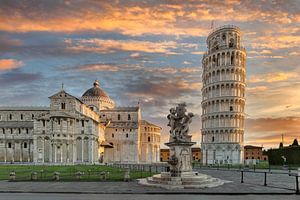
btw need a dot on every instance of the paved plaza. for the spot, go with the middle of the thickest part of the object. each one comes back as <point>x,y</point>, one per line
<point>39,196</point>
<point>253,184</point>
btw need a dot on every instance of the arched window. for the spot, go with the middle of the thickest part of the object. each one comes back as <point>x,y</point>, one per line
<point>112,135</point>
<point>82,123</point>
<point>213,139</point>
<point>21,116</point>
<point>63,106</point>
<point>119,117</point>
<point>10,116</point>
<point>25,145</point>
<point>129,117</point>
<point>32,116</point>
<point>27,131</point>
<point>231,42</point>
<point>127,135</point>
<point>224,37</point>
<point>3,130</point>
<point>19,131</point>
<point>9,145</point>
<point>44,123</point>
<point>149,139</point>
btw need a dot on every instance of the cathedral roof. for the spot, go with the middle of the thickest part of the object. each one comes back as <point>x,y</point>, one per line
<point>95,91</point>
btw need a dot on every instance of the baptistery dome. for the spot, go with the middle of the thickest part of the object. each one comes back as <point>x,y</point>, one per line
<point>97,99</point>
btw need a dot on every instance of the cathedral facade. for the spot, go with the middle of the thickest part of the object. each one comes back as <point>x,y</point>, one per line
<point>72,130</point>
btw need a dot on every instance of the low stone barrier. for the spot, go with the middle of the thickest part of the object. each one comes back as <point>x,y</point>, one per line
<point>34,176</point>
<point>56,176</point>
<point>78,175</point>
<point>127,174</point>
<point>104,176</point>
<point>12,176</point>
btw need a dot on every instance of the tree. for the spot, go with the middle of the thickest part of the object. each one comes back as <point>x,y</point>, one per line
<point>295,143</point>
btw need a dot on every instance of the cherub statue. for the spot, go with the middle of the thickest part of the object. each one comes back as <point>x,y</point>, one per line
<point>172,118</point>
<point>179,123</point>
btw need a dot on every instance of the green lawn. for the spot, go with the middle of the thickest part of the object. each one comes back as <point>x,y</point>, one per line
<point>67,173</point>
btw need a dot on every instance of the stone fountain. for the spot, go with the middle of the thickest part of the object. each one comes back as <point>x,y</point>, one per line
<point>181,174</point>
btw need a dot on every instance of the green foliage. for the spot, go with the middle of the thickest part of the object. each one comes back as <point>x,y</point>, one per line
<point>291,153</point>
<point>67,173</point>
<point>295,143</point>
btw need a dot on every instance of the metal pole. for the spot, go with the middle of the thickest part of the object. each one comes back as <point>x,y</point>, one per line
<point>242,176</point>
<point>265,184</point>
<point>297,185</point>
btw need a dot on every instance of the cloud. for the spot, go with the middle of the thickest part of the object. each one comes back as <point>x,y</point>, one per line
<point>9,64</point>
<point>273,77</point>
<point>14,78</point>
<point>276,41</point>
<point>190,70</point>
<point>268,131</point>
<point>138,17</point>
<point>105,46</point>
<point>97,67</point>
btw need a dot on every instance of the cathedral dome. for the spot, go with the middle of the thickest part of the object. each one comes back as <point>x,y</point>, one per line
<point>97,99</point>
<point>95,91</point>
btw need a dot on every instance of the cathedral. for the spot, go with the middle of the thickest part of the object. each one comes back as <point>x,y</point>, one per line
<point>72,130</point>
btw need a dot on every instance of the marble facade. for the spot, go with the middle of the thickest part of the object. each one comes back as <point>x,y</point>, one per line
<point>74,130</point>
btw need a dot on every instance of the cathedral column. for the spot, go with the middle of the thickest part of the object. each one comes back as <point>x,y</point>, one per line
<point>54,147</point>
<point>50,152</point>
<point>21,152</point>
<point>5,148</point>
<point>82,150</point>
<point>74,151</point>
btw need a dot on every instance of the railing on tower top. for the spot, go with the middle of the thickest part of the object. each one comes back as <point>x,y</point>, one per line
<point>225,26</point>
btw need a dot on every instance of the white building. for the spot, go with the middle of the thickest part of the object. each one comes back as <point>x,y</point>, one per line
<point>75,130</point>
<point>223,96</point>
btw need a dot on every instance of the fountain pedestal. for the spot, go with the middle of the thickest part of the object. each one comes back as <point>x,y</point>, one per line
<point>180,158</point>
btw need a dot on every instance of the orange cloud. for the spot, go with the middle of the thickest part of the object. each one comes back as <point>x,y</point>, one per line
<point>276,41</point>
<point>9,64</point>
<point>105,46</point>
<point>273,77</point>
<point>98,67</point>
<point>137,18</point>
<point>189,70</point>
<point>268,131</point>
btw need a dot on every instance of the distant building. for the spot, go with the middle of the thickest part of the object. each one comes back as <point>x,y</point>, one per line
<point>77,130</point>
<point>164,155</point>
<point>254,154</point>
<point>196,154</point>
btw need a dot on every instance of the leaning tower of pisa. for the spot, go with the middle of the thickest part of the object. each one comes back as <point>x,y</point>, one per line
<point>223,97</point>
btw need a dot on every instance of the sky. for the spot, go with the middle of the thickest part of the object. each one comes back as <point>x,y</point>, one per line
<point>150,52</point>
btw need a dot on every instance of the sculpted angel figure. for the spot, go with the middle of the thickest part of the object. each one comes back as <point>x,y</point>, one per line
<point>186,123</point>
<point>172,118</point>
<point>179,122</point>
